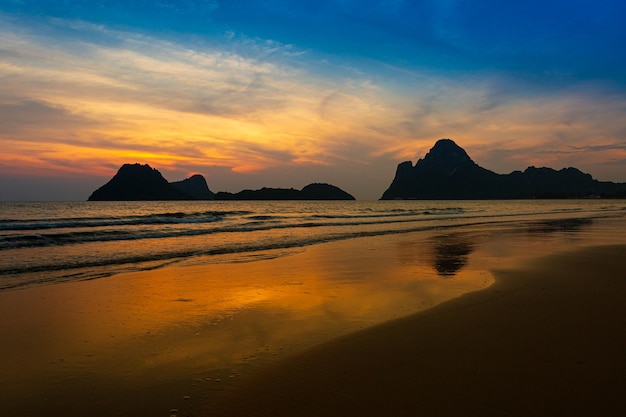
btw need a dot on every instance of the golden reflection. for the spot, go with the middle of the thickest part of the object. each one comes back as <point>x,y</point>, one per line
<point>197,327</point>
<point>448,254</point>
<point>213,321</point>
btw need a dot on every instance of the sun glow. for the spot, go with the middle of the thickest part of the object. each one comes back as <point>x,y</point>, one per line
<point>86,107</point>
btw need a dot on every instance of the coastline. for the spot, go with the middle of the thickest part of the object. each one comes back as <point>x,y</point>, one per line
<point>178,337</point>
<point>545,339</point>
<point>198,337</point>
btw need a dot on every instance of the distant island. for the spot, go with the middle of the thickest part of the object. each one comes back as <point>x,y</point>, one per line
<point>137,182</point>
<point>314,191</point>
<point>448,173</point>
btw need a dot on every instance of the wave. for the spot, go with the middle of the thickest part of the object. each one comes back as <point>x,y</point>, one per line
<point>80,245</point>
<point>60,232</point>
<point>150,219</point>
<point>35,240</point>
<point>67,231</point>
<point>79,269</point>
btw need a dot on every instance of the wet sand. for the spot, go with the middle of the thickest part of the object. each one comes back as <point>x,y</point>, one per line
<point>316,332</point>
<point>547,339</point>
<point>177,338</point>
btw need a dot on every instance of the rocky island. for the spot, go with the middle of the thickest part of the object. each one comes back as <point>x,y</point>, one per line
<point>314,191</point>
<point>448,173</point>
<point>137,182</point>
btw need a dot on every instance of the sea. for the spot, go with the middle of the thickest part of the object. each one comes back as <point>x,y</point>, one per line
<point>53,242</point>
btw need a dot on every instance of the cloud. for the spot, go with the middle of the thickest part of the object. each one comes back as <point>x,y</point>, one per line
<point>163,14</point>
<point>596,148</point>
<point>541,40</point>
<point>143,97</point>
<point>24,115</point>
<point>620,163</point>
<point>84,97</point>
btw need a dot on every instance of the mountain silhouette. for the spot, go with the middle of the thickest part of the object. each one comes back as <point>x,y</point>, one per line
<point>196,187</point>
<point>319,191</point>
<point>315,191</point>
<point>137,182</point>
<point>448,173</point>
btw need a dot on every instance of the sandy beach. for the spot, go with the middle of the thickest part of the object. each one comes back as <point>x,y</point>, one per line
<point>489,320</point>
<point>545,339</point>
<point>178,337</point>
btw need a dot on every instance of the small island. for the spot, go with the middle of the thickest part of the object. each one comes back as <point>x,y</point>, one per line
<point>448,173</point>
<point>141,182</point>
<point>314,191</point>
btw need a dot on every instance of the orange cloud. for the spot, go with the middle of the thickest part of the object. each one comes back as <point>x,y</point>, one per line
<point>86,107</point>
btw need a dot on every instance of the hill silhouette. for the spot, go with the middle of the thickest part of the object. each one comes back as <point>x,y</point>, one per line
<point>196,187</point>
<point>315,191</point>
<point>137,182</point>
<point>448,173</point>
<point>319,191</point>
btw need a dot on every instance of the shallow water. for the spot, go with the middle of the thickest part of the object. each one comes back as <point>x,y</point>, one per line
<point>52,242</point>
<point>142,341</point>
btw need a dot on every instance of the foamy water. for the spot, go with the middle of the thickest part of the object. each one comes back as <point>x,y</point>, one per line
<point>51,242</point>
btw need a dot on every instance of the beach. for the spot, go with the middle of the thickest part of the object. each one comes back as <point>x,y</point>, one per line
<point>500,318</point>
<point>546,339</point>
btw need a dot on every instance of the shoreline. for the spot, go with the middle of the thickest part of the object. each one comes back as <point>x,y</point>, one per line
<point>192,337</point>
<point>148,342</point>
<point>545,339</point>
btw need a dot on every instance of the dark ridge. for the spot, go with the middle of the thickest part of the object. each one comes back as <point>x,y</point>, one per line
<point>448,173</point>
<point>264,193</point>
<point>318,191</point>
<point>136,182</point>
<point>314,191</point>
<point>196,187</point>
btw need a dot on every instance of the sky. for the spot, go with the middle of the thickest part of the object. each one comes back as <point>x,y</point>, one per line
<point>277,93</point>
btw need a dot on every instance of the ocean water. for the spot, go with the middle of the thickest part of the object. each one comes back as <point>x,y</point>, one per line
<point>53,242</point>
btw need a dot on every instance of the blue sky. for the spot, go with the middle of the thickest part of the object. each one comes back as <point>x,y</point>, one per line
<point>283,93</point>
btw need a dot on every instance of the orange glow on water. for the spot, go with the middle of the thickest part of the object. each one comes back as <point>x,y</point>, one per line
<point>197,326</point>
<point>225,312</point>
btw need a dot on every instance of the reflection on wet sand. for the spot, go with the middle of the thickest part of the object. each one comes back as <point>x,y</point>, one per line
<point>451,253</point>
<point>192,331</point>
<point>173,338</point>
<point>447,254</point>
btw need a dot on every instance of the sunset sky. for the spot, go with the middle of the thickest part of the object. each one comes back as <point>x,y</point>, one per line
<point>279,93</point>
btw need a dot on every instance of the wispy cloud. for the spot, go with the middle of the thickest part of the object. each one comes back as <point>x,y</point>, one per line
<point>143,90</point>
<point>83,97</point>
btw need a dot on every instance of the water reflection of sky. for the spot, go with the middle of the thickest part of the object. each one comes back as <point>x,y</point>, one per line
<point>191,326</point>
<point>210,321</point>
